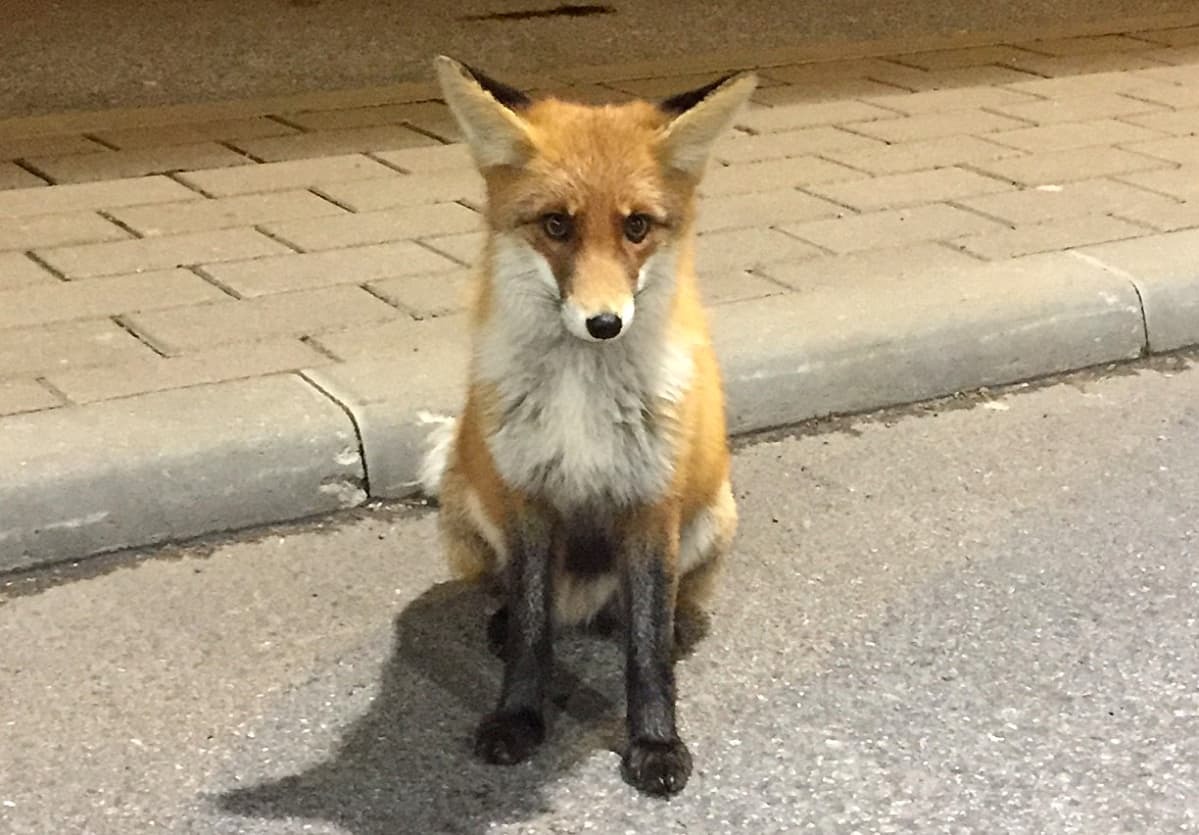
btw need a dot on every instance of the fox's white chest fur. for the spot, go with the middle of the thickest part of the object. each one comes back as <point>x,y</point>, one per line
<point>583,423</point>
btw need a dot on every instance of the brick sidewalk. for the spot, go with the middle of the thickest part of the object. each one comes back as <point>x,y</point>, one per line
<point>164,251</point>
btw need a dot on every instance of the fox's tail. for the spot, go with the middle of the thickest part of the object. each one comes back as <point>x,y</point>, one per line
<point>438,444</point>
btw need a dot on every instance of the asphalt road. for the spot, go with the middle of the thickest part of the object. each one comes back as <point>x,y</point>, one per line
<point>973,617</point>
<point>90,54</point>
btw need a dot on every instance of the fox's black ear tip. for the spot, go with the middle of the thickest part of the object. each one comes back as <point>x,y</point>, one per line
<point>682,102</point>
<point>505,94</point>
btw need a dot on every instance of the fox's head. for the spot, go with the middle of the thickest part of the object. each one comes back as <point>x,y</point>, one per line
<point>590,205</point>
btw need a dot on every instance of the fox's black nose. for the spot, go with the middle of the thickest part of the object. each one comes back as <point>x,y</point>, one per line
<point>604,326</point>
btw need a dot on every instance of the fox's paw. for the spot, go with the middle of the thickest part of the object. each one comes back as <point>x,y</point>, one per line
<point>508,738</point>
<point>660,768</point>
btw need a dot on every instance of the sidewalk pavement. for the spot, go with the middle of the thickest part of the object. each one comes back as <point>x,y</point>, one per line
<point>227,315</point>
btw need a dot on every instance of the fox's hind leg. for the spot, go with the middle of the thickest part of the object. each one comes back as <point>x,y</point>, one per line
<point>704,541</point>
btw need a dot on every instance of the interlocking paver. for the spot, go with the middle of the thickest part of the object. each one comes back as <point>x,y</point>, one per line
<point>111,165</point>
<point>375,227</point>
<point>432,158</point>
<point>1175,122</point>
<point>827,91</point>
<point>889,264</point>
<point>224,212</point>
<point>18,147</point>
<point>463,248</point>
<point>793,143</point>
<point>899,190</point>
<point>762,208</point>
<point>923,154</point>
<point>956,78</point>
<point>18,270</point>
<point>64,300</point>
<point>1052,235</point>
<point>33,231</point>
<point>936,222</point>
<point>944,101</point>
<point>298,314</point>
<point>331,142</point>
<point>408,190</point>
<point>1085,197</point>
<point>46,348</point>
<point>142,254</point>
<point>366,117</point>
<point>18,396</point>
<point>13,176</point>
<point>189,133</point>
<point>1181,182</point>
<point>425,296</point>
<point>932,125</point>
<point>280,176</point>
<point>1084,63</point>
<point>737,250</point>
<point>970,56</point>
<point>1078,109</point>
<point>1085,45</point>
<point>1182,36</point>
<point>1167,216</point>
<point>284,273</point>
<point>49,200</point>
<point>1063,166</point>
<point>773,174</point>
<point>722,286</point>
<point>253,359</point>
<point>792,116</point>
<point>1072,135</point>
<point>1181,150</point>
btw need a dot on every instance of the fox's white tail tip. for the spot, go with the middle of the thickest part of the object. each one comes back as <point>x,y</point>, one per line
<point>438,444</point>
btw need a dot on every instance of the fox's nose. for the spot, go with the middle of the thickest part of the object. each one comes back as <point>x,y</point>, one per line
<point>604,326</point>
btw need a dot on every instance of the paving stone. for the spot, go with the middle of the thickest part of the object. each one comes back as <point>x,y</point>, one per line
<point>1181,182</point>
<point>1181,36</point>
<point>430,159</point>
<point>762,208</point>
<point>18,270</point>
<point>920,260</point>
<point>303,313</point>
<point>330,142</point>
<point>1084,64</point>
<point>820,72</point>
<point>464,248</point>
<point>791,117</point>
<point>1182,149</point>
<point>49,200</point>
<point>930,126</point>
<point>189,133</point>
<point>408,190</point>
<point>281,176</point>
<point>1168,216</point>
<point>717,287</point>
<point>358,229</point>
<point>235,362</point>
<point>19,147</point>
<point>790,144</point>
<point>898,190</point>
<point>738,250</point>
<point>63,300</point>
<point>25,395</point>
<point>1085,45</point>
<point>47,348</point>
<point>1049,236</point>
<point>1084,197</point>
<point>160,253</point>
<point>1078,109</point>
<point>110,165</point>
<point>954,79</point>
<point>34,231</point>
<point>773,174</point>
<point>1062,166</point>
<point>923,154</point>
<point>971,56</point>
<point>224,212</point>
<point>307,271</point>
<point>1176,122</point>
<point>366,117</point>
<point>943,101</point>
<point>936,222</point>
<point>826,91</point>
<point>13,176</point>
<point>429,295</point>
<point>1071,135</point>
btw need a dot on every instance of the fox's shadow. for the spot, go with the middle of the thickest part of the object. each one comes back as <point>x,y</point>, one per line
<point>407,766</point>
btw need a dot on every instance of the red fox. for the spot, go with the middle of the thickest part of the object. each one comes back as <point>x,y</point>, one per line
<point>588,473</point>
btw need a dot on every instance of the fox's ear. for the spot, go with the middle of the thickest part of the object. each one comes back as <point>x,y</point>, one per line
<point>488,113</point>
<point>700,117</point>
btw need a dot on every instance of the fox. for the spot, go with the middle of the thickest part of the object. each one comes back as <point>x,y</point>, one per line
<point>586,478</point>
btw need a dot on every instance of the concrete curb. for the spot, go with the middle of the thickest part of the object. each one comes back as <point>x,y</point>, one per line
<point>178,464</point>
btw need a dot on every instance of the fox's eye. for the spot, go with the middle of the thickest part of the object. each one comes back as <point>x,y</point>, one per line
<point>557,225</point>
<point>636,227</point>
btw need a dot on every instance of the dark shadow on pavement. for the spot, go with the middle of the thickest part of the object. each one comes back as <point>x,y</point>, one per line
<point>407,765</point>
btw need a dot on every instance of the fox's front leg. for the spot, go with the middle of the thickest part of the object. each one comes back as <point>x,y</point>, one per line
<point>517,726</point>
<point>656,760</point>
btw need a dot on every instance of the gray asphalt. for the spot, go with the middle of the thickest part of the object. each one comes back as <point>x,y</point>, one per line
<point>90,54</point>
<point>973,616</point>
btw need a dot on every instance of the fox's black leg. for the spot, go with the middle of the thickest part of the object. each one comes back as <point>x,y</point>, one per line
<point>656,761</point>
<point>497,631</point>
<point>517,726</point>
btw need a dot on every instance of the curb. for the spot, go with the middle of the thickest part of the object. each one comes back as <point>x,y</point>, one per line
<point>179,464</point>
